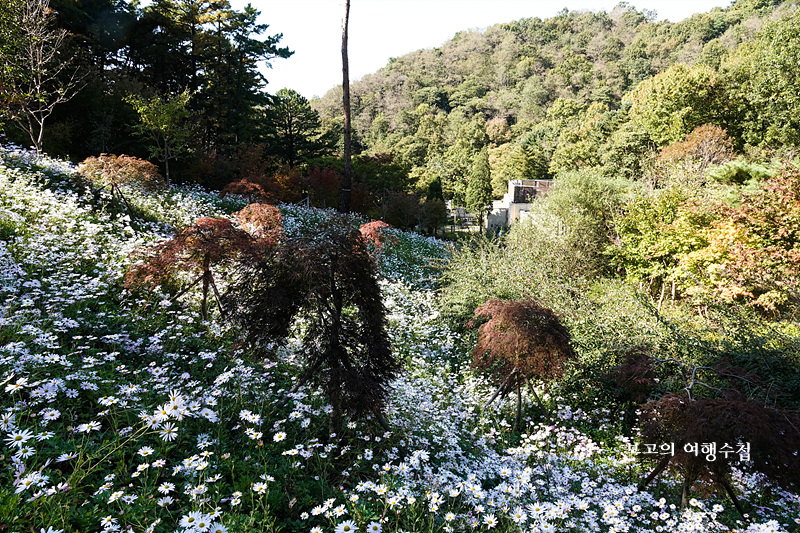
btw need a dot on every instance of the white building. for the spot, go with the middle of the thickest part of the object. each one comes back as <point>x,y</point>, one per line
<point>516,203</point>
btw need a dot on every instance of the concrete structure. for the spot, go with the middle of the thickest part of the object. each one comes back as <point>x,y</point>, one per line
<point>516,203</point>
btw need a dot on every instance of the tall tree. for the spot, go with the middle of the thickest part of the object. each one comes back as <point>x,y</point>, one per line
<point>326,276</point>
<point>38,70</point>
<point>8,69</point>
<point>207,46</point>
<point>347,178</point>
<point>294,128</point>
<point>479,188</point>
<point>676,101</point>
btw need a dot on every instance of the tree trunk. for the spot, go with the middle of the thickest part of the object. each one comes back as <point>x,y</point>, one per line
<point>662,464</point>
<point>499,390</point>
<point>344,204</point>
<point>686,489</point>
<point>206,283</point>
<point>734,499</point>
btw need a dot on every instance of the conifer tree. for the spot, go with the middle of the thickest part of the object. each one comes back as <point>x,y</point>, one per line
<point>479,188</point>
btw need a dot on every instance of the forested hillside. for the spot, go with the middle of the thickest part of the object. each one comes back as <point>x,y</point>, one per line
<point>579,90</point>
<point>184,348</point>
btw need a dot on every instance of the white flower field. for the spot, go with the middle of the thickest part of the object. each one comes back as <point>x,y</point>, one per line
<point>127,412</point>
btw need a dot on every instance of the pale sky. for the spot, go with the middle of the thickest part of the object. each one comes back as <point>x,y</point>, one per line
<point>382,29</point>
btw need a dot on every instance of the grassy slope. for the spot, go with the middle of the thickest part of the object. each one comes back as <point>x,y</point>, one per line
<point>87,368</point>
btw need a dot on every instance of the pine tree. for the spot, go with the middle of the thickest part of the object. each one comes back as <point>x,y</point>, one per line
<point>294,129</point>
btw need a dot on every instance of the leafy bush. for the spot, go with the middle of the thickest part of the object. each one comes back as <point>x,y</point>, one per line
<point>375,235</point>
<point>738,172</point>
<point>262,221</point>
<point>522,338</point>
<point>282,185</point>
<point>705,146</point>
<point>112,171</point>
<point>521,341</point>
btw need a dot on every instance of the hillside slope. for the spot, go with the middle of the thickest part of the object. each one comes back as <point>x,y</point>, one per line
<point>125,411</point>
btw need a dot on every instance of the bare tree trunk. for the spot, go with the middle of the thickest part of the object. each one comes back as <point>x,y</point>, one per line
<point>686,489</point>
<point>206,280</point>
<point>734,499</point>
<point>661,298</point>
<point>347,179</point>
<point>662,464</point>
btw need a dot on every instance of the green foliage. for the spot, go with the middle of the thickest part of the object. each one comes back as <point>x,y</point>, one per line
<point>531,83</point>
<point>676,101</point>
<point>508,161</point>
<point>649,240</point>
<point>164,123</point>
<point>765,84</point>
<point>579,146</point>
<point>479,189</point>
<point>739,172</point>
<point>293,128</point>
<point>575,221</point>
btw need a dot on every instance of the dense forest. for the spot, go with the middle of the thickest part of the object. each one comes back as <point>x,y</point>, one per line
<point>579,90</point>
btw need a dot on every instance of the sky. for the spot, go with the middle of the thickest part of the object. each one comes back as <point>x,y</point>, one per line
<point>381,29</point>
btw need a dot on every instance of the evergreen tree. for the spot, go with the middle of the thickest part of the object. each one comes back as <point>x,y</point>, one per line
<point>294,130</point>
<point>479,188</point>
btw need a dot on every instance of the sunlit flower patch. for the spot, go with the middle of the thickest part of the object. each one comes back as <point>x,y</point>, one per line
<point>126,411</point>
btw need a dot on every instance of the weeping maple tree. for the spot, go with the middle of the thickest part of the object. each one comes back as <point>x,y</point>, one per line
<point>376,236</point>
<point>521,341</point>
<point>678,418</point>
<point>325,277</point>
<point>115,171</point>
<point>209,242</point>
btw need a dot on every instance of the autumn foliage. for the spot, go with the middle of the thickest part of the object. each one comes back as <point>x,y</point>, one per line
<point>283,185</point>
<point>705,146</point>
<point>262,221</point>
<point>521,337</point>
<point>375,236</point>
<point>111,171</point>
<point>209,242</point>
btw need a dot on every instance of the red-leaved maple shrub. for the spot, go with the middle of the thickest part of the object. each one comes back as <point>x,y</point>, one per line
<point>375,236</point>
<point>521,341</point>
<point>262,221</point>
<point>772,434</point>
<point>210,241</point>
<point>113,171</point>
<point>283,185</point>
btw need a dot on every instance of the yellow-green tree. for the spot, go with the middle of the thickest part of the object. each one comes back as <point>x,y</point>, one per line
<point>675,102</point>
<point>165,122</point>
